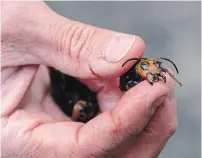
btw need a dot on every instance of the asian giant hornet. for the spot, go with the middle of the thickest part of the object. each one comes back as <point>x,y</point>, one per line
<point>80,103</point>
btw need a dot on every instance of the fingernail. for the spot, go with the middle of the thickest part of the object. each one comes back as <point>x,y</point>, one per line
<point>118,47</point>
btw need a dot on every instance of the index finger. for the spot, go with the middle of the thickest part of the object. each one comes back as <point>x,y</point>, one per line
<point>127,118</point>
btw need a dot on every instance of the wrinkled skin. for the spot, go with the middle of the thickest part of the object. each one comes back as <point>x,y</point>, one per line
<point>135,124</point>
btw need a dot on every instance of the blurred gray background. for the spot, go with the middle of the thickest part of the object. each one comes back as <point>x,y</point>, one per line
<point>169,29</point>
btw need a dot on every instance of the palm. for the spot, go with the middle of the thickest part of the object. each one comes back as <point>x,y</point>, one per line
<point>44,120</point>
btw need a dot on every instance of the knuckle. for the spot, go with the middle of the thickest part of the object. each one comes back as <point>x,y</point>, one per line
<point>80,39</point>
<point>122,131</point>
<point>60,37</point>
<point>72,39</point>
<point>117,130</point>
<point>171,129</point>
<point>74,44</point>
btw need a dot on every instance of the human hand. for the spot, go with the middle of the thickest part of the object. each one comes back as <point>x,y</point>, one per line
<point>135,124</point>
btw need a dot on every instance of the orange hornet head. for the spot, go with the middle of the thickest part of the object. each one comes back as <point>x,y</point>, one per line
<point>152,70</point>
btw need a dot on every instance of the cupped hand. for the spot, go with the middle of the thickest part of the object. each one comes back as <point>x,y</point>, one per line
<point>135,124</point>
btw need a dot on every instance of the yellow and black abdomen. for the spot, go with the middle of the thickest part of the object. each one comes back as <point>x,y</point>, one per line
<point>73,97</point>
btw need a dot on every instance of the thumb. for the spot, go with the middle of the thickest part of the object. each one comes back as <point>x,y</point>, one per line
<point>85,51</point>
<point>88,52</point>
<point>72,47</point>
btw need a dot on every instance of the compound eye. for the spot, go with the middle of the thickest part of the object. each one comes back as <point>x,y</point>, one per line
<point>158,64</point>
<point>144,66</point>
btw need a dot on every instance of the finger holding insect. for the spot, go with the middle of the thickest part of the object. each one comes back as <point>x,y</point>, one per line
<point>127,118</point>
<point>156,134</point>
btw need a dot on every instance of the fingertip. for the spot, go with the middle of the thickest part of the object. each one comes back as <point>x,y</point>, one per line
<point>141,45</point>
<point>108,69</point>
<point>136,50</point>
